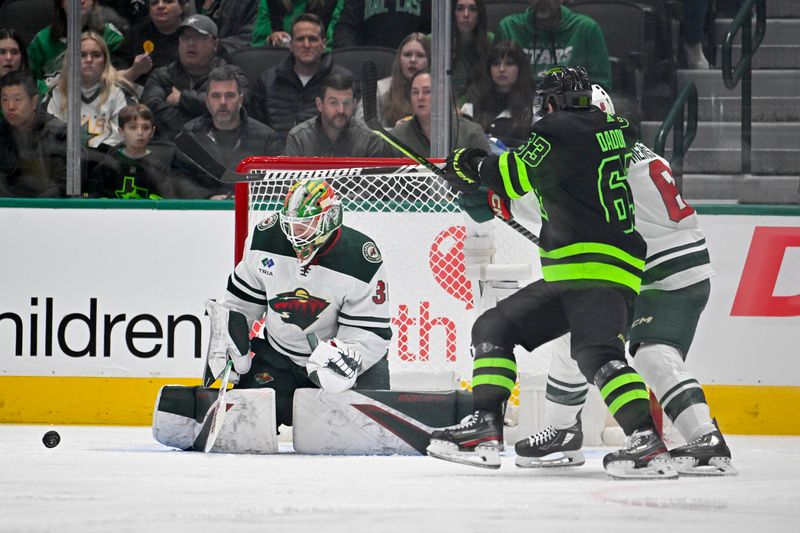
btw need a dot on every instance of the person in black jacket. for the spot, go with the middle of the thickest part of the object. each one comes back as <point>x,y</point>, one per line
<point>226,131</point>
<point>33,160</point>
<point>177,93</point>
<point>286,94</point>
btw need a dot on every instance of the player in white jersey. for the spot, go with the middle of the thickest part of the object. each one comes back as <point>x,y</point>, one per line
<point>675,290</point>
<point>303,272</point>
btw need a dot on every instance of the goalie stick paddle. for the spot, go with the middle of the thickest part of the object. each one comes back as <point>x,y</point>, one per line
<point>369,95</point>
<point>212,423</point>
<point>199,154</point>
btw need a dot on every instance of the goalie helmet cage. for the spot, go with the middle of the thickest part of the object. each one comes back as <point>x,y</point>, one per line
<point>420,230</point>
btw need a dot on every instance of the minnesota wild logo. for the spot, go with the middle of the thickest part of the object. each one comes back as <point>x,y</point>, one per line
<point>298,307</point>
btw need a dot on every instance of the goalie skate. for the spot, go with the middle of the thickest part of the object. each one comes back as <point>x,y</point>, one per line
<point>551,448</point>
<point>476,441</point>
<point>707,456</point>
<point>645,456</point>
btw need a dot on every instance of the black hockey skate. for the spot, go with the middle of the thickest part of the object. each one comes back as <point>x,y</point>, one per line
<point>477,441</point>
<point>707,456</point>
<point>645,456</point>
<point>551,447</point>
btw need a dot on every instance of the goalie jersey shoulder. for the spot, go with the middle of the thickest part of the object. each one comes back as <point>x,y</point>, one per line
<point>268,237</point>
<point>354,254</point>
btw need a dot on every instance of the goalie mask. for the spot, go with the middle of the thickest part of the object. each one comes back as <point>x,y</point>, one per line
<point>311,213</point>
<point>602,100</point>
<point>565,88</point>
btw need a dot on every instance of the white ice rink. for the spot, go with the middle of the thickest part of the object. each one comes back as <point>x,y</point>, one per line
<point>110,479</point>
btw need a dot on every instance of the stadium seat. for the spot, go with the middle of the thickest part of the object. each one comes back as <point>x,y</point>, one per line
<point>352,57</point>
<point>626,26</point>
<point>497,11</point>
<point>255,61</point>
<point>27,17</point>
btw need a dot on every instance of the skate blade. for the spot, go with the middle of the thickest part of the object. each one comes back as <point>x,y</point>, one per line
<point>656,469</point>
<point>482,457</point>
<point>553,460</point>
<point>717,466</point>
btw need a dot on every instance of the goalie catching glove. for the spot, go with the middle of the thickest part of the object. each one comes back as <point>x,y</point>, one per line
<point>333,366</point>
<point>230,339</point>
<point>461,169</point>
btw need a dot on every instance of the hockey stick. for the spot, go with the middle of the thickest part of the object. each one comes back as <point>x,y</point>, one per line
<point>212,422</point>
<point>259,168</point>
<point>369,95</point>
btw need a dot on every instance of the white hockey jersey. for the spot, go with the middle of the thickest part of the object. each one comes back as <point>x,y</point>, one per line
<point>342,293</point>
<point>677,255</point>
<point>99,122</point>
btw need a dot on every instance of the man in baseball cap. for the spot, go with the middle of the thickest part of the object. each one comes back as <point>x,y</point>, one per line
<point>201,24</point>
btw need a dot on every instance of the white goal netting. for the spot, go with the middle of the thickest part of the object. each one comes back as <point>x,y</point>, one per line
<point>435,291</point>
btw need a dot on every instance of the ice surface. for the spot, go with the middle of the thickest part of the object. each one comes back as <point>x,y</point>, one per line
<point>110,479</point>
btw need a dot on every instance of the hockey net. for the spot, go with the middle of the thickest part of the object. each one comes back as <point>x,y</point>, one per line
<point>443,270</point>
<point>434,291</point>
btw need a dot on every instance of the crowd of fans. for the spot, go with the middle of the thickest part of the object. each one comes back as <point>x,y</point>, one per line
<point>151,69</point>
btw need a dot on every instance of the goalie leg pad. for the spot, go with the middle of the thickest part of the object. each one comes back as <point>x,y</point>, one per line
<point>373,422</point>
<point>249,425</point>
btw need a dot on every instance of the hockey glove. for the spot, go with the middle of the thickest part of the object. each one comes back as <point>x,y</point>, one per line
<point>229,340</point>
<point>461,169</point>
<point>499,206</point>
<point>333,366</point>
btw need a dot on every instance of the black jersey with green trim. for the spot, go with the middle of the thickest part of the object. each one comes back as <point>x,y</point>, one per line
<point>576,163</point>
<point>342,292</point>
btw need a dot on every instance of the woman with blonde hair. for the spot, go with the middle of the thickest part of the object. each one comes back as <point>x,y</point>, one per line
<point>104,92</point>
<point>413,55</point>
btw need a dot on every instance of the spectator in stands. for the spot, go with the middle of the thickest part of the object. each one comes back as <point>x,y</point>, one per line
<point>103,94</point>
<point>274,19</point>
<point>416,132</point>
<point>235,20</point>
<point>136,11</point>
<point>286,94</point>
<point>381,23</point>
<point>177,93</point>
<point>471,45</point>
<point>33,159</point>
<point>46,51</point>
<point>138,168</point>
<point>161,31</point>
<point>226,130</point>
<point>332,133</point>
<point>502,102</point>
<point>694,18</point>
<point>553,35</point>
<point>13,56</point>
<point>413,55</point>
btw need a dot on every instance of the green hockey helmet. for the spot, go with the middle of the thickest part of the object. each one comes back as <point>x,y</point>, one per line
<point>565,88</point>
<point>311,213</point>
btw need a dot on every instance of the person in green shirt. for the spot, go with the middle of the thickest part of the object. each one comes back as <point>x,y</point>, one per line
<point>553,35</point>
<point>47,48</point>
<point>275,18</point>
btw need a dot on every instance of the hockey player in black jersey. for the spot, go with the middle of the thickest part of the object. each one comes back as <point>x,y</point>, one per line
<point>592,258</point>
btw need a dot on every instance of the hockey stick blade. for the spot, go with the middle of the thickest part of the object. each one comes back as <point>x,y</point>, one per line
<point>212,423</point>
<point>369,90</point>
<point>195,151</point>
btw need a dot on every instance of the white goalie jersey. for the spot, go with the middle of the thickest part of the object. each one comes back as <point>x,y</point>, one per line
<point>342,293</point>
<point>677,255</point>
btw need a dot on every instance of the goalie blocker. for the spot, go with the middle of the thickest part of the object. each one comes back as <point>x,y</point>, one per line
<point>366,422</point>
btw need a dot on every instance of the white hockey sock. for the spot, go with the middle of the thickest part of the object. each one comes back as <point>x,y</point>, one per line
<point>566,387</point>
<point>680,395</point>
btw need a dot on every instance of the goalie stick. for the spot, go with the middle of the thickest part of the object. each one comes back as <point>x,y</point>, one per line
<point>212,423</point>
<point>259,168</point>
<point>369,95</point>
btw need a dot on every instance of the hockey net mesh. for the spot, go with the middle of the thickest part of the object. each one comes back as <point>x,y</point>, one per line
<point>420,229</point>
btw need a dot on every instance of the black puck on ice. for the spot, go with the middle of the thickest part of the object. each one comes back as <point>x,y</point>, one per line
<point>51,439</point>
